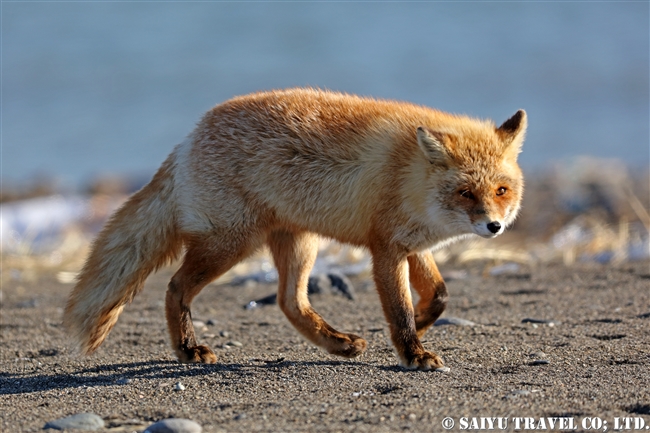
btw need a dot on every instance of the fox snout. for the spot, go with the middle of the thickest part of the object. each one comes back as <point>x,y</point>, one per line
<point>494,227</point>
<point>488,229</point>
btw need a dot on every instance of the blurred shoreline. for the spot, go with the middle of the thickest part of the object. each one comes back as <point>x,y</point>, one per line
<point>580,210</point>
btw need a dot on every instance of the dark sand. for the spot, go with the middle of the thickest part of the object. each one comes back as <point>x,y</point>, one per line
<point>599,358</point>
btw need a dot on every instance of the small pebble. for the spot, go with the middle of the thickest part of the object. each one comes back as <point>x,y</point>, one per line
<point>443,370</point>
<point>540,321</point>
<point>209,335</point>
<point>32,303</point>
<point>517,393</point>
<point>174,425</point>
<point>540,362</point>
<point>341,285</point>
<point>211,322</point>
<point>412,417</point>
<point>455,275</point>
<point>179,387</point>
<point>267,300</point>
<point>506,268</point>
<point>225,334</point>
<point>332,283</point>
<point>199,324</point>
<point>234,343</point>
<point>48,352</point>
<point>538,355</point>
<point>453,321</point>
<point>80,421</point>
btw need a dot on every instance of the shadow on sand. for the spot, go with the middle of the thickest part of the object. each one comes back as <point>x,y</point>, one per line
<point>120,374</point>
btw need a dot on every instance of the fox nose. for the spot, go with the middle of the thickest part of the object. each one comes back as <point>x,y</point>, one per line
<point>494,226</point>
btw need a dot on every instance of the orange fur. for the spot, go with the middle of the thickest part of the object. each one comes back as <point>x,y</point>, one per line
<point>281,168</point>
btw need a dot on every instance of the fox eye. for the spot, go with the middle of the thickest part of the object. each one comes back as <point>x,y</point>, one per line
<point>467,194</point>
<point>502,190</point>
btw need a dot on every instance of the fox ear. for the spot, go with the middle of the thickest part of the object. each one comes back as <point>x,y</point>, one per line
<point>513,132</point>
<point>432,144</point>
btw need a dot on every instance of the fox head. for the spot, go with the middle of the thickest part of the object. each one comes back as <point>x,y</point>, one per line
<point>479,185</point>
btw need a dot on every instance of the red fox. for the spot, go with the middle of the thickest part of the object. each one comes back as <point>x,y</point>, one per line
<point>282,168</point>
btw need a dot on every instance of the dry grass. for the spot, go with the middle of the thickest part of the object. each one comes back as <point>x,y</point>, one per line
<point>67,258</point>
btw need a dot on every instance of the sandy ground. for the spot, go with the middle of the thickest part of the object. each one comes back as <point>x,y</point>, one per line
<point>598,354</point>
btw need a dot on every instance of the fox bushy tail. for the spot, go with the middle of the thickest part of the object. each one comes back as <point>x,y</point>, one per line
<point>138,239</point>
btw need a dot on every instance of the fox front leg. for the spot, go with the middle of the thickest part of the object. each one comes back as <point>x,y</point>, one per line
<point>427,281</point>
<point>390,268</point>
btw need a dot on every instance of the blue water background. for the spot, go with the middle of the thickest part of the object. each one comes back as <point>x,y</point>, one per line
<point>91,88</point>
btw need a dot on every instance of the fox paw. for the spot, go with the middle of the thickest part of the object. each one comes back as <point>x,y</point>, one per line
<point>348,346</point>
<point>424,361</point>
<point>200,354</point>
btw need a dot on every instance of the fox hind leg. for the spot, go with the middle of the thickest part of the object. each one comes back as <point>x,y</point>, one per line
<point>294,255</point>
<point>428,283</point>
<point>204,261</point>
